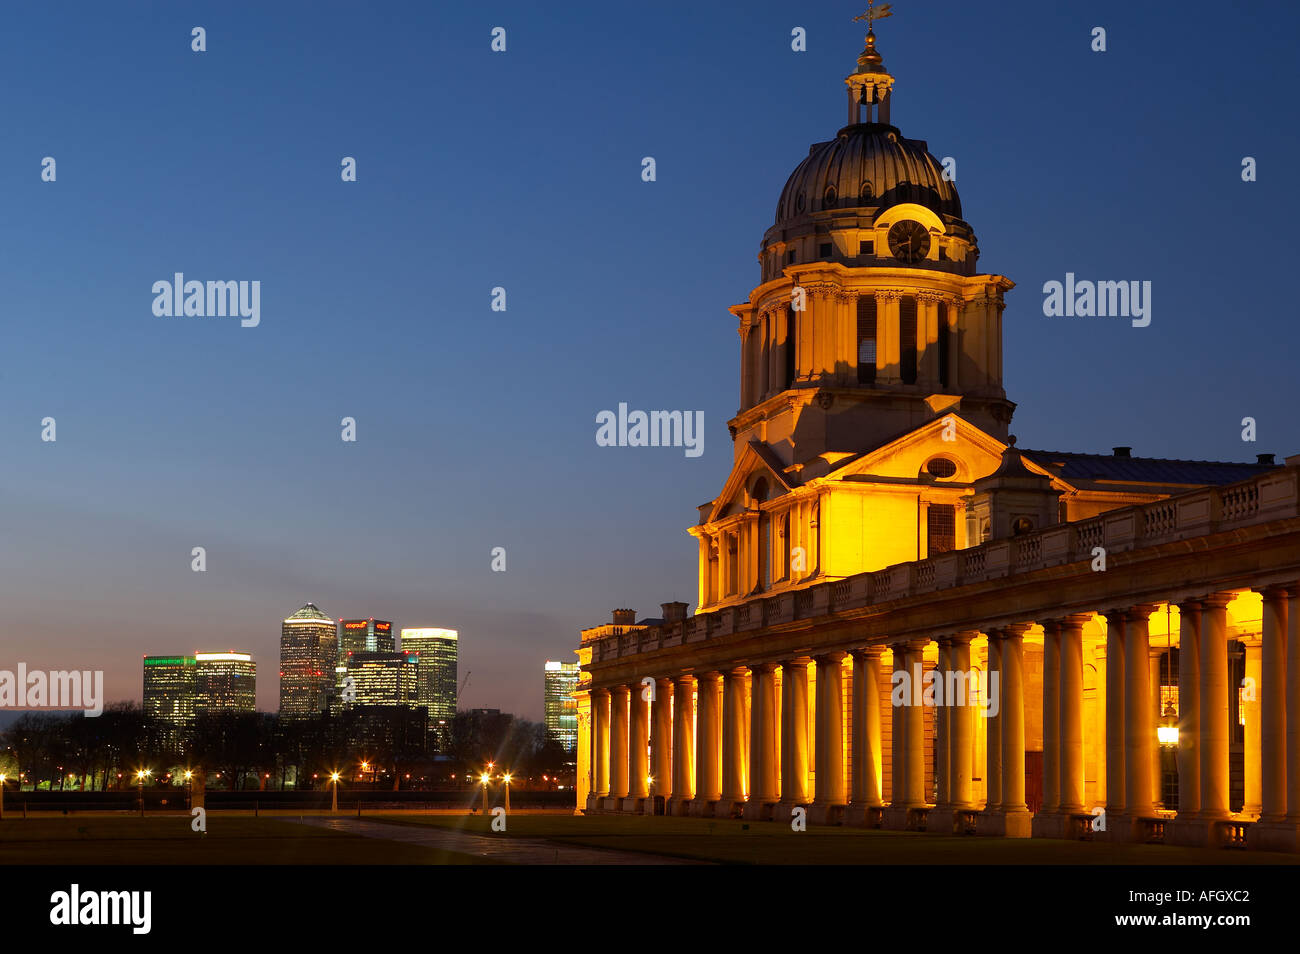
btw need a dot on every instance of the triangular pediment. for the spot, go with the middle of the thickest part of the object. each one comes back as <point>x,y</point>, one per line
<point>973,452</point>
<point>755,461</point>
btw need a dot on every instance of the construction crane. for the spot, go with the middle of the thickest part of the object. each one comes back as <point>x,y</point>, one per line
<point>463,683</point>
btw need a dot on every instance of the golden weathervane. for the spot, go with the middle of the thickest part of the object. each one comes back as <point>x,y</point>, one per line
<point>874,13</point>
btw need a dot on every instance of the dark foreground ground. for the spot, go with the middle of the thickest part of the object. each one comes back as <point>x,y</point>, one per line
<point>403,838</point>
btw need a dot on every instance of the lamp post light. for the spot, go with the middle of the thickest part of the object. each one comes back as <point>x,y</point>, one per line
<point>140,776</point>
<point>485,778</point>
<point>506,779</point>
<point>334,786</point>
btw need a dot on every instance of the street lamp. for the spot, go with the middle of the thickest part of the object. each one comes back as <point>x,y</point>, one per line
<point>485,778</point>
<point>189,789</point>
<point>140,776</point>
<point>2,796</point>
<point>334,784</point>
<point>506,778</point>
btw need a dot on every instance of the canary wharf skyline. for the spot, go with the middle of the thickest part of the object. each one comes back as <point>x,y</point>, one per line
<point>478,494</point>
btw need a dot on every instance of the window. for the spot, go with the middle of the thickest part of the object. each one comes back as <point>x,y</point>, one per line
<point>865,194</point>
<point>907,338</point>
<point>733,565</point>
<point>791,326</point>
<point>830,197</point>
<point>784,531</point>
<point>789,257</point>
<point>867,339</point>
<point>1022,525</point>
<point>941,468</point>
<point>941,533</point>
<point>825,250</point>
<point>945,348</point>
<point>867,247</point>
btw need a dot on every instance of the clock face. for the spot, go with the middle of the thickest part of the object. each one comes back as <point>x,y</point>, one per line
<point>909,241</point>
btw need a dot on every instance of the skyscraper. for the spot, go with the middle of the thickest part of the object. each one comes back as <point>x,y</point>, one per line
<point>169,689</point>
<point>560,709</point>
<point>308,655</point>
<point>361,636</point>
<point>225,682</point>
<point>437,650</point>
<point>382,678</point>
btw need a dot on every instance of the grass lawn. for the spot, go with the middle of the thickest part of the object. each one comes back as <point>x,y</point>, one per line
<point>729,841</point>
<point>230,839</point>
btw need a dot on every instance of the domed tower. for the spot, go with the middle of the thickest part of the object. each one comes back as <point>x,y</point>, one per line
<point>871,323</point>
<point>871,314</point>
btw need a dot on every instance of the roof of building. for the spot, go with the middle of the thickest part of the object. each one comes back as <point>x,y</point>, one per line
<point>1085,469</point>
<point>309,611</point>
<point>869,166</point>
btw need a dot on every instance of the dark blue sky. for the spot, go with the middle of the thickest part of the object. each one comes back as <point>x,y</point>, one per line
<point>476,428</point>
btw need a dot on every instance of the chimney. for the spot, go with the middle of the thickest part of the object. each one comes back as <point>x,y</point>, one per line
<point>1123,451</point>
<point>624,617</point>
<point>673,612</point>
<point>1265,460</point>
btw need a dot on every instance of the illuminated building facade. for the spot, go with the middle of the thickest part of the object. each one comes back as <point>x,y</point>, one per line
<point>438,651</point>
<point>308,656</point>
<point>362,636</point>
<point>170,688</point>
<point>559,708</point>
<point>880,533</point>
<point>383,678</point>
<point>225,682</point>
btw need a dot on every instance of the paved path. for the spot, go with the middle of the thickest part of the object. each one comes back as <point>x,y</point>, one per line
<point>520,851</point>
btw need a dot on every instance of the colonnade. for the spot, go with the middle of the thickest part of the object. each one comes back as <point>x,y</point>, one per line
<point>747,740</point>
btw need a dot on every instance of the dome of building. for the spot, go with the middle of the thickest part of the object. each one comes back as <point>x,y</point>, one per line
<point>866,166</point>
<point>845,186</point>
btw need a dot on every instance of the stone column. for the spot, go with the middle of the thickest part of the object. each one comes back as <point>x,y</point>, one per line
<point>1052,716</point>
<point>1189,691</point>
<point>638,762</point>
<point>1071,713</point>
<point>1253,774</point>
<point>829,747</point>
<point>683,789</point>
<point>762,760</point>
<point>794,732</point>
<point>733,738</point>
<point>618,704</point>
<point>1013,722</point>
<point>1293,706</point>
<point>600,732</point>
<point>914,735</point>
<point>708,736</point>
<point>1214,709</point>
<point>865,748</point>
<point>943,731</point>
<point>1139,732</point>
<point>661,738</point>
<point>962,726</point>
<point>1273,716</point>
<point>993,724</point>
<point>1115,789</point>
